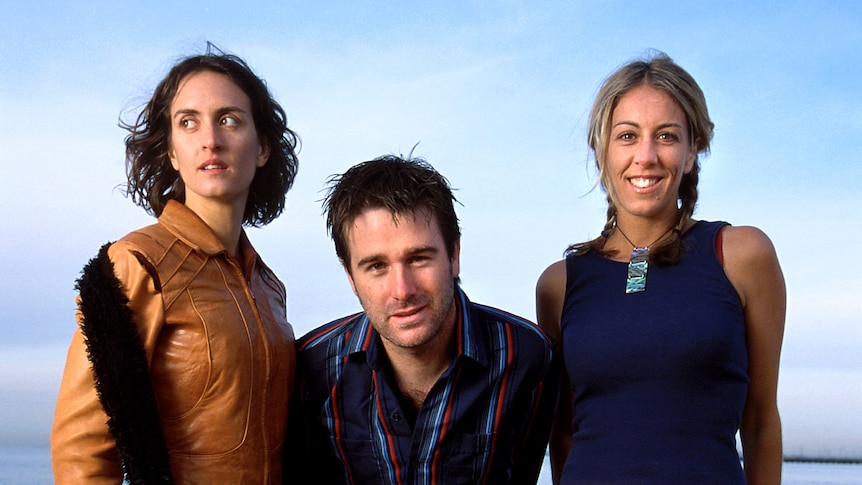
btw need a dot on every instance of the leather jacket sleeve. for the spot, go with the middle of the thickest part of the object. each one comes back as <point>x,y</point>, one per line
<point>82,449</point>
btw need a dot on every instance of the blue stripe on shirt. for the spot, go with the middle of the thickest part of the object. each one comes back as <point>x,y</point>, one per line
<point>486,420</point>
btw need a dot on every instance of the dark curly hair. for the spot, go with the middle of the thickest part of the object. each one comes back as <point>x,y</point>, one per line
<point>401,185</point>
<point>151,181</point>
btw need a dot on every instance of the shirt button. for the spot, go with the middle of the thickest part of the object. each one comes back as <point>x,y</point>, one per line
<point>396,417</point>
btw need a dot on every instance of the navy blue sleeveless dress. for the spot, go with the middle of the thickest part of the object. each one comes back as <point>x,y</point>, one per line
<point>660,376</point>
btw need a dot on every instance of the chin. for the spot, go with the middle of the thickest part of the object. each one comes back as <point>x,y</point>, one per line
<point>412,341</point>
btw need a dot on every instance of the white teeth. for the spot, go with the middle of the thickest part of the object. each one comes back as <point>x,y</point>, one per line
<point>210,167</point>
<point>643,183</point>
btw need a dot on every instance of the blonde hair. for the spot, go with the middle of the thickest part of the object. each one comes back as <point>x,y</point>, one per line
<point>661,72</point>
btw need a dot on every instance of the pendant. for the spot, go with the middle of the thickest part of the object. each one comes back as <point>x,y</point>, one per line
<point>638,266</point>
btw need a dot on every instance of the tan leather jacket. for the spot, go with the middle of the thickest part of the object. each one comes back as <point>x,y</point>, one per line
<point>221,355</point>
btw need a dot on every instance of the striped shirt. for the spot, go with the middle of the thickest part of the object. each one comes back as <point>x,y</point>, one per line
<point>486,420</point>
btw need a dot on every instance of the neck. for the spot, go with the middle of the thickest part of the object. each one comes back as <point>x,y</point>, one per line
<point>224,220</point>
<point>642,232</point>
<point>415,378</point>
<point>416,370</point>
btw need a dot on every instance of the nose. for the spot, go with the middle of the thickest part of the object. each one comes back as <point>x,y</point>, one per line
<point>403,283</point>
<point>646,153</point>
<point>211,136</point>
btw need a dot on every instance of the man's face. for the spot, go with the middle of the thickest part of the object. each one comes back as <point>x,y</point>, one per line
<point>403,276</point>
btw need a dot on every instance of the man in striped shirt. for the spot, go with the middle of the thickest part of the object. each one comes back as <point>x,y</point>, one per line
<point>423,387</point>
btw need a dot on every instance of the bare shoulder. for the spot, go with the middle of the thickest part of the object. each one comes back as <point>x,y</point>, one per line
<point>553,277</point>
<point>750,260</point>
<point>746,245</point>
<point>550,293</point>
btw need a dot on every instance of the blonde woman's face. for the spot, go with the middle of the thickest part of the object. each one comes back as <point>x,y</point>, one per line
<point>648,153</point>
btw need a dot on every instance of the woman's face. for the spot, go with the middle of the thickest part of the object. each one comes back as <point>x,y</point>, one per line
<point>214,144</point>
<point>648,153</point>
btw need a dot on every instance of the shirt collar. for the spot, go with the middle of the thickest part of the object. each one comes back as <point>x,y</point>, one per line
<point>183,223</point>
<point>469,334</point>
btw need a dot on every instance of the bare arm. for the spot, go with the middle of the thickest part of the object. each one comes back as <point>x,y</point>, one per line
<point>752,266</point>
<point>550,293</point>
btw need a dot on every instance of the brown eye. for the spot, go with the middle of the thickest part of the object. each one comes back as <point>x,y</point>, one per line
<point>376,267</point>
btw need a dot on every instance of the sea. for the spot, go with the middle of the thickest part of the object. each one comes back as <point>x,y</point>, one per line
<point>32,466</point>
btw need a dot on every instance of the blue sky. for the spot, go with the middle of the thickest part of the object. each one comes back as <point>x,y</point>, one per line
<point>496,94</point>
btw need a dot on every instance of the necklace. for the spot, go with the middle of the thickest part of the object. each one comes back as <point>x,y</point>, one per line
<point>639,263</point>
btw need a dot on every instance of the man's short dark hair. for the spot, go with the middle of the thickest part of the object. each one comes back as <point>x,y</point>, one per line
<point>400,185</point>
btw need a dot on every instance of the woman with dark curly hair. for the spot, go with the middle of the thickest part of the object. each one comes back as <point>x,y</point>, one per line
<point>184,361</point>
<point>671,327</point>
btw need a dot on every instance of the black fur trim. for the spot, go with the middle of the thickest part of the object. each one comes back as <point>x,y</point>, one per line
<point>121,373</point>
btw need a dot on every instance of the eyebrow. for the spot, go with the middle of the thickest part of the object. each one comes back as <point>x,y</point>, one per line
<point>411,252</point>
<point>661,126</point>
<point>220,111</point>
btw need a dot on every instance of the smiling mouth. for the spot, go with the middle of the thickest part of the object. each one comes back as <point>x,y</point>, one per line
<point>407,313</point>
<point>643,183</point>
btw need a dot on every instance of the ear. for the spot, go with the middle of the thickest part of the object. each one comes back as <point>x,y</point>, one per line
<point>263,155</point>
<point>172,155</point>
<point>455,261</point>
<point>692,156</point>
<point>349,277</point>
